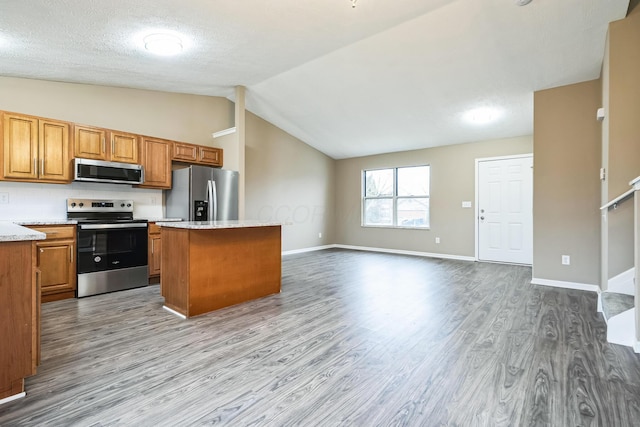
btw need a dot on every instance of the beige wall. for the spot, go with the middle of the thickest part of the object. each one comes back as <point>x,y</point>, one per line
<point>187,118</point>
<point>289,181</point>
<point>452,181</point>
<point>566,216</point>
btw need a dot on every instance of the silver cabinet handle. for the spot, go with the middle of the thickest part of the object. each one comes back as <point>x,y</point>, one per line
<point>104,145</point>
<point>113,146</point>
<point>42,166</point>
<point>153,246</point>
<point>71,254</point>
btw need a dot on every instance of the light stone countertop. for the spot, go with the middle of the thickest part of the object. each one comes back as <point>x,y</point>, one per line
<point>28,222</point>
<point>11,232</point>
<point>212,225</point>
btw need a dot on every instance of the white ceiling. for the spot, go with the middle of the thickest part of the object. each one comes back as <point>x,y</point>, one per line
<point>383,76</point>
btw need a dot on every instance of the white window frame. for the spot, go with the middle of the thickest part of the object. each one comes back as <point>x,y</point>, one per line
<point>394,197</point>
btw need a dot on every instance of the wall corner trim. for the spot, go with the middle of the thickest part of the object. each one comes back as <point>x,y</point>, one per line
<point>567,285</point>
<point>403,252</point>
<point>636,347</point>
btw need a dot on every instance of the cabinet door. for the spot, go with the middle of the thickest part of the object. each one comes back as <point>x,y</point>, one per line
<point>57,268</point>
<point>90,143</point>
<point>210,156</point>
<point>53,143</point>
<point>20,141</point>
<point>156,160</point>
<point>124,147</point>
<point>155,252</point>
<point>185,152</point>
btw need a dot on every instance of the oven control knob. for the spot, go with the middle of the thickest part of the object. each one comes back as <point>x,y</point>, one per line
<point>122,205</point>
<point>73,205</point>
<point>128,205</point>
<point>97,259</point>
<point>81,204</point>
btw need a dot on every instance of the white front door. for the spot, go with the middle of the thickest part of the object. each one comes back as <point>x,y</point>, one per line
<point>505,210</point>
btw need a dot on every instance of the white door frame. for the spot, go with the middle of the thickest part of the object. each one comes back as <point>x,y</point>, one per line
<point>476,211</point>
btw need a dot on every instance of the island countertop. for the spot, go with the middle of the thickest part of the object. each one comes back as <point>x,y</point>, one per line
<point>10,232</point>
<point>211,225</point>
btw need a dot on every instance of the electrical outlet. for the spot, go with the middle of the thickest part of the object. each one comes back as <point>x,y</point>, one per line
<point>466,204</point>
<point>4,198</point>
<point>319,235</point>
<point>437,240</point>
<point>566,260</point>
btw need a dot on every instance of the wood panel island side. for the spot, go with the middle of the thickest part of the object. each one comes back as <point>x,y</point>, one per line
<point>214,264</point>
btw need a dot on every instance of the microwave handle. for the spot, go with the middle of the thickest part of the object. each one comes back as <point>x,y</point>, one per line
<point>212,195</point>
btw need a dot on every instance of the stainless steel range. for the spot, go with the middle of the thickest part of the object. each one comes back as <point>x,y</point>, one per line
<point>112,246</point>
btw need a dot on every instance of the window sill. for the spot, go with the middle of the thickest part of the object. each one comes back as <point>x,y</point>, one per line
<point>395,227</point>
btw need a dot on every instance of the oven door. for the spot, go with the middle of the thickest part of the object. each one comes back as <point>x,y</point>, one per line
<point>103,247</point>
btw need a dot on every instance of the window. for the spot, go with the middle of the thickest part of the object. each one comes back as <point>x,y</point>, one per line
<point>396,197</point>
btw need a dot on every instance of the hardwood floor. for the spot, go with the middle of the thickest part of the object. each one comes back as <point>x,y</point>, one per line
<point>355,338</point>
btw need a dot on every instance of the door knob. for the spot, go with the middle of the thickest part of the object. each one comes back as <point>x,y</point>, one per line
<point>481,218</point>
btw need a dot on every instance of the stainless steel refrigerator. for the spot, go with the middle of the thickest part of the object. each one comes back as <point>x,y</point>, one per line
<point>200,193</point>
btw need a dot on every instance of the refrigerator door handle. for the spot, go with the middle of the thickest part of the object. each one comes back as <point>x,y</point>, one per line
<point>212,198</point>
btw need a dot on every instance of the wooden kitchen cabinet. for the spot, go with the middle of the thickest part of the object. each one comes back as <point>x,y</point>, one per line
<point>90,142</point>
<point>156,160</point>
<point>124,147</point>
<point>103,144</point>
<point>35,149</point>
<point>18,317</point>
<point>55,258</point>
<point>155,252</point>
<point>198,154</point>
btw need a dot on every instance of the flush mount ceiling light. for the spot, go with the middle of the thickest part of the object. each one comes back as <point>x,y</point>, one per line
<point>163,44</point>
<point>482,115</point>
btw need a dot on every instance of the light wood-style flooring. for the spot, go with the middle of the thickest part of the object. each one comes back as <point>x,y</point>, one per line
<point>354,339</point>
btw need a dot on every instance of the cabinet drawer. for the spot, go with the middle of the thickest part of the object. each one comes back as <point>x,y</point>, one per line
<point>153,228</point>
<point>56,232</point>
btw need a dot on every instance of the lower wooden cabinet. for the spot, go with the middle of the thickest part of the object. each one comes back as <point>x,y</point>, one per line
<point>55,259</point>
<point>18,316</point>
<point>155,252</point>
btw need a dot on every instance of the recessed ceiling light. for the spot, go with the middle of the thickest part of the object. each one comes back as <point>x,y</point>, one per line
<point>482,115</point>
<point>163,44</point>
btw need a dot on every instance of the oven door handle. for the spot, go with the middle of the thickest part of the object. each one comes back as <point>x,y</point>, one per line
<point>107,226</point>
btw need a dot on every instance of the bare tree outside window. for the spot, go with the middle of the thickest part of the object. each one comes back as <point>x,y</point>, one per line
<point>396,197</point>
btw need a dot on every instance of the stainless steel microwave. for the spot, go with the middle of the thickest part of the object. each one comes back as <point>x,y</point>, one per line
<point>109,172</point>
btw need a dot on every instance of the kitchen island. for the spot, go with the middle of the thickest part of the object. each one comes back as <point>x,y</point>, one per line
<point>207,265</point>
<point>19,309</point>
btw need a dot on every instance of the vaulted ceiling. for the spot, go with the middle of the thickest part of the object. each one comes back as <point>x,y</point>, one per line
<point>378,77</point>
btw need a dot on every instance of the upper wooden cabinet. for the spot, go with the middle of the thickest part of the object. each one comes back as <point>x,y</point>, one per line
<point>200,154</point>
<point>104,144</point>
<point>124,147</point>
<point>35,149</point>
<point>156,160</point>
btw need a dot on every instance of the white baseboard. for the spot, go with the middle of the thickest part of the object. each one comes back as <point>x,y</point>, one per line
<point>621,329</point>
<point>623,283</point>
<point>311,249</point>
<point>636,347</point>
<point>599,306</point>
<point>180,315</point>
<point>566,285</point>
<point>12,398</point>
<point>403,252</point>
